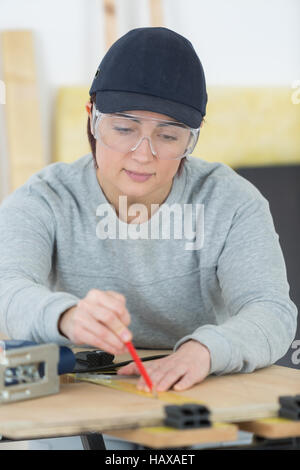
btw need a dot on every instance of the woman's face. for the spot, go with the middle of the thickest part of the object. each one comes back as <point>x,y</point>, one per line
<point>123,173</point>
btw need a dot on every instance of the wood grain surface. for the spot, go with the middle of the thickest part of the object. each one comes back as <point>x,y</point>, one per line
<point>82,407</point>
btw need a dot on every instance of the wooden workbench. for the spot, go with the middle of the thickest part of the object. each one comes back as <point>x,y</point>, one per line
<point>245,401</point>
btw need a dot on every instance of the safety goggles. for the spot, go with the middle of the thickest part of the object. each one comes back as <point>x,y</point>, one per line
<point>168,140</point>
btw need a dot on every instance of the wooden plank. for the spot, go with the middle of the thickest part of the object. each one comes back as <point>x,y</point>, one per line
<point>233,397</point>
<point>243,397</point>
<point>156,13</point>
<point>69,127</point>
<point>78,408</point>
<point>236,114</point>
<point>272,428</point>
<point>4,174</point>
<point>4,170</point>
<point>67,414</point>
<point>22,113</point>
<point>110,22</point>
<point>82,407</point>
<point>158,437</point>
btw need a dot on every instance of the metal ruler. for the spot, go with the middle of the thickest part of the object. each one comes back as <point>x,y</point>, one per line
<point>120,383</point>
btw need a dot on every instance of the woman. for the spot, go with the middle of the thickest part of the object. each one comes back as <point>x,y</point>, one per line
<point>221,303</point>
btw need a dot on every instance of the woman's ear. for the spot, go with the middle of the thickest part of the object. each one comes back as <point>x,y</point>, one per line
<point>88,107</point>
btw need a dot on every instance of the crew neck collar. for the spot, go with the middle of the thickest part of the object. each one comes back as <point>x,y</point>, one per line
<point>98,197</point>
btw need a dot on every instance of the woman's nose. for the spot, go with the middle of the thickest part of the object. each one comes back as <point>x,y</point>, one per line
<point>144,149</point>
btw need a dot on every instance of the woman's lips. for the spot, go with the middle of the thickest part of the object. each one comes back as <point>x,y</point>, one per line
<point>139,177</point>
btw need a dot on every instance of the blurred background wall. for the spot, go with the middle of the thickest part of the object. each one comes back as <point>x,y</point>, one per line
<point>250,51</point>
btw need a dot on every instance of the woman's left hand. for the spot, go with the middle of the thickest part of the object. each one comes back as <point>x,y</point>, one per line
<point>189,365</point>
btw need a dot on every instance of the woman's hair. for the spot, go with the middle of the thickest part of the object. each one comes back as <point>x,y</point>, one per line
<point>92,140</point>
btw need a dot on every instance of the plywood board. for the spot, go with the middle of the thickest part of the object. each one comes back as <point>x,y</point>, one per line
<point>243,396</point>
<point>22,112</point>
<point>4,170</point>
<point>70,140</point>
<point>80,407</point>
<point>272,428</point>
<point>233,397</point>
<point>161,436</point>
<point>249,126</point>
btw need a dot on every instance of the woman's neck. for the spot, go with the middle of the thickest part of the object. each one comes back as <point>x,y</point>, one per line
<point>149,203</point>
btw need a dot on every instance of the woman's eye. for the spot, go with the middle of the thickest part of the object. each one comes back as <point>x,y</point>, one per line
<point>168,137</point>
<point>123,130</point>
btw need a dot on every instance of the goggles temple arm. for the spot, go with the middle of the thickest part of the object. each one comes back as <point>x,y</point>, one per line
<point>189,148</point>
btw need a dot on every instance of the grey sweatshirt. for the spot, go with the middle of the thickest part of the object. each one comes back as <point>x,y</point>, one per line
<point>223,283</point>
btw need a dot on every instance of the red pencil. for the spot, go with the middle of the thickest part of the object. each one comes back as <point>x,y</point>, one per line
<point>140,366</point>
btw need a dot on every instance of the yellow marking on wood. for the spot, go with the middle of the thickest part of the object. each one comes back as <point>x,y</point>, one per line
<point>168,397</point>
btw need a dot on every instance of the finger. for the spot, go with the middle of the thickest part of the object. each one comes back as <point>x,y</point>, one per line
<point>91,339</point>
<point>187,381</point>
<point>154,369</point>
<point>163,379</point>
<point>122,298</point>
<point>108,318</point>
<point>109,301</point>
<point>117,295</point>
<point>107,337</point>
<point>89,323</point>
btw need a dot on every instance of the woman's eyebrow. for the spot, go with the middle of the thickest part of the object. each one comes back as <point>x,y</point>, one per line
<point>160,124</point>
<point>128,116</point>
<point>171,123</point>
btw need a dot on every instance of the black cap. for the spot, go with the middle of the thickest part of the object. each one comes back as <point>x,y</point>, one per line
<point>153,69</point>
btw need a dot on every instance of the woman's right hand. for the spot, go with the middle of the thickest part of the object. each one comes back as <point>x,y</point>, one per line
<point>100,320</point>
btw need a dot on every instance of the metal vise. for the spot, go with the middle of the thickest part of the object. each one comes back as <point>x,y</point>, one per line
<point>29,370</point>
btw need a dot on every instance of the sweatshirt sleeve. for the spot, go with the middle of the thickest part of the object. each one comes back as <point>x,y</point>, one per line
<point>29,310</point>
<point>252,276</point>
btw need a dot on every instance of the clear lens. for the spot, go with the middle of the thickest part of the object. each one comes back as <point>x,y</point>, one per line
<point>168,140</point>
